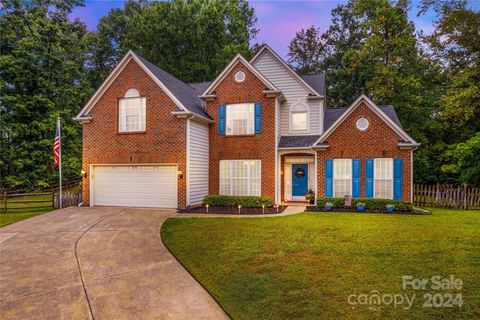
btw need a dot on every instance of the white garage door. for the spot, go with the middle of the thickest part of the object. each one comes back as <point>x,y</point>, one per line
<point>135,186</point>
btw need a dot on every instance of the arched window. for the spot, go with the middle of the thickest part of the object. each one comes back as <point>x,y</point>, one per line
<point>131,112</point>
<point>132,93</point>
<point>299,118</point>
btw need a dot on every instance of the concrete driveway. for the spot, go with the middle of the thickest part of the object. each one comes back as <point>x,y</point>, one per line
<point>96,263</point>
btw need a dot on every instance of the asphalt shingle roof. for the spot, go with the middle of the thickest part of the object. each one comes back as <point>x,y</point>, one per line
<point>186,94</point>
<point>297,141</point>
<point>316,81</point>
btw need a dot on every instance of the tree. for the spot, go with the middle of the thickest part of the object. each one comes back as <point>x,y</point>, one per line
<point>306,50</point>
<point>455,43</point>
<point>193,40</point>
<point>41,77</point>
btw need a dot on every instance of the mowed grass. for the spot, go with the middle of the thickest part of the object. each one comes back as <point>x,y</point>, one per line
<point>305,266</point>
<point>17,211</point>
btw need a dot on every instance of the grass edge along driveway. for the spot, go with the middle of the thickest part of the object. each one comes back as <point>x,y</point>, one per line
<point>305,266</point>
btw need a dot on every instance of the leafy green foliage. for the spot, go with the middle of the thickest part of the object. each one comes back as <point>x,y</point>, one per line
<point>468,161</point>
<point>42,77</point>
<point>432,81</point>
<point>192,40</point>
<point>369,203</point>
<point>244,201</point>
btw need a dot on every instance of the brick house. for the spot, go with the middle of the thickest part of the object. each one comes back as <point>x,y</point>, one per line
<point>259,128</point>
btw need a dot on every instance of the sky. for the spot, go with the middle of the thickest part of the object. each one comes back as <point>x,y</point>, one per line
<point>278,20</point>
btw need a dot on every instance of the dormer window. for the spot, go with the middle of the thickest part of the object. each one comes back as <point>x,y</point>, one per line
<point>131,112</point>
<point>299,120</point>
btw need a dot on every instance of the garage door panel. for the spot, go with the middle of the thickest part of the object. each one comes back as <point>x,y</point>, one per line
<point>140,186</point>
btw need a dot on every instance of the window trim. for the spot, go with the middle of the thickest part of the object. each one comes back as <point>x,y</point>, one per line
<point>251,119</point>
<point>144,102</point>
<point>230,179</point>
<point>351,176</point>
<point>375,177</point>
<point>298,108</point>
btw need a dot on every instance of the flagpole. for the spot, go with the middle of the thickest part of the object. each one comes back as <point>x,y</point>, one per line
<point>60,163</point>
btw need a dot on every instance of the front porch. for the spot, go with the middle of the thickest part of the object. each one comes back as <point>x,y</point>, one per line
<point>298,174</point>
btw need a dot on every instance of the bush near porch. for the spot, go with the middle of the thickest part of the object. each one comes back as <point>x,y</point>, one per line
<point>370,204</point>
<point>244,201</point>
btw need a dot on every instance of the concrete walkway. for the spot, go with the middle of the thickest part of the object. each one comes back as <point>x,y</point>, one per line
<point>96,263</point>
<point>290,210</point>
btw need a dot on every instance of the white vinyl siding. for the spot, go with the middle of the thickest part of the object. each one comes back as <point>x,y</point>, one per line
<point>240,119</point>
<point>294,92</point>
<point>198,162</point>
<point>342,177</point>
<point>134,186</point>
<point>240,177</point>
<point>131,114</point>
<point>383,175</point>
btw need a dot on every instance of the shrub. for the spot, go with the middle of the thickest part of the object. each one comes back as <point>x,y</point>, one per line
<point>244,201</point>
<point>370,203</point>
<point>310,196</point>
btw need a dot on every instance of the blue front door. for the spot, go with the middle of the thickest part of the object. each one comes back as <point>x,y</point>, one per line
<point>299,179</point>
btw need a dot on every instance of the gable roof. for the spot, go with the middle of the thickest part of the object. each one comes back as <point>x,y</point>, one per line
<point>237,59</point>
<point>332,114</point>
<point>337,116</point>
<point>317,81</point>
<point>265,47</point>
<point>183,95</point>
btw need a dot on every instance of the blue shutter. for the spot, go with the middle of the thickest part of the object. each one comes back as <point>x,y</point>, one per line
<point>369,178</point>
<point>356,178</point>
<point>328,178</point>
<point>397,179</point>
<point>221,119</point>
<point>258,117</point>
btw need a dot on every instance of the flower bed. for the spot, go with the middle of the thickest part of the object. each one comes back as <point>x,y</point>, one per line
<point>369,205</point>
<point>235,210</point>
<point>236,205</point>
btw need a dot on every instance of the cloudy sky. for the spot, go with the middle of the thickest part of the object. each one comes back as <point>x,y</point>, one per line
<point>277,20</point>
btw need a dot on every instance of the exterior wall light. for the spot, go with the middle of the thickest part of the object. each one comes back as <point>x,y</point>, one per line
<point>180,174</point>
<point>83,173</point>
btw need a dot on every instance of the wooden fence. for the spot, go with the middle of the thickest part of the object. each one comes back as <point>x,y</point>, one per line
<point>446,196</point>
<point>21,202</point>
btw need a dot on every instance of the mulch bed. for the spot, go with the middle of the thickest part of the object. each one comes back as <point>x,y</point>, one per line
<point>234,210</point>
<point>318,209</point>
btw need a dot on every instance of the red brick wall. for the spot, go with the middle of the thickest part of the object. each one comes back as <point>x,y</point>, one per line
<point>164,140</point>
<point>378,141</point>
<point>258,146</point>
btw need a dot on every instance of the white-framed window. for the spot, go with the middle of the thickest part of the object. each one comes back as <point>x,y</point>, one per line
<point>240,119</point>
<point>131,112</point>
<point>240,177</point>
<point>342,177</point>
<point>383,178</point>
<point>299,121</point>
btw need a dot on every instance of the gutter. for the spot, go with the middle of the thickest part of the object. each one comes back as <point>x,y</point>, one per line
<point>191,115</point>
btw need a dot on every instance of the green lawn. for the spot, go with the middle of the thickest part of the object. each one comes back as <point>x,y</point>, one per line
<point>306,266</point>
<point>16,213</point>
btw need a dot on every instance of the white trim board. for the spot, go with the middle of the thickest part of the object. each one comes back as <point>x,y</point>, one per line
<point>237,59</point>
<point>114,74</point>
<point>374,108</point>
<point>276,56</point>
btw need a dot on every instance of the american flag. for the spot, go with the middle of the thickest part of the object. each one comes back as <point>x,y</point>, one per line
<point>56,146</point>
